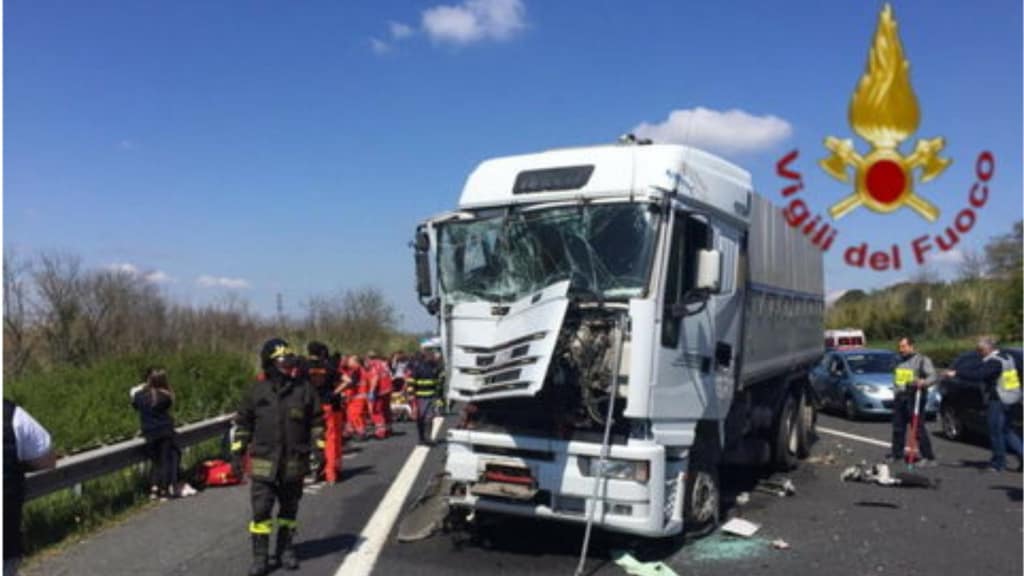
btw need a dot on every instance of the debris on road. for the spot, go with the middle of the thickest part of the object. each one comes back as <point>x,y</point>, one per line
<point>780,488</point>
<point>828,459</point>
<point>780,544</point>
<point>743,498</point>
<point>631,565</point>
<point>881,475</point>
<point>740,527</point>
<point>721,547</point>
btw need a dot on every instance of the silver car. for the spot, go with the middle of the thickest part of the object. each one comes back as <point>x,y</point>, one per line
<point>858,383</point>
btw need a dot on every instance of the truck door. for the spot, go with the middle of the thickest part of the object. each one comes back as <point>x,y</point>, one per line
<point>726,307</point>
<point>685,381</point>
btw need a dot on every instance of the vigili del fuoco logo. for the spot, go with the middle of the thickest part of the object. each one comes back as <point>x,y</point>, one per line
<point>884,112</point>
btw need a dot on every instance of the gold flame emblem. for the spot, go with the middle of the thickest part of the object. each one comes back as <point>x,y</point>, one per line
<point>884,112</point>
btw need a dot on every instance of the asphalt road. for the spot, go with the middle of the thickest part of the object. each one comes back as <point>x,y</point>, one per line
<point>207,534</point>
<point>971,524</point>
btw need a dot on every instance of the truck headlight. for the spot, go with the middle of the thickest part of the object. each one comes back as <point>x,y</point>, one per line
<point>636,470</point>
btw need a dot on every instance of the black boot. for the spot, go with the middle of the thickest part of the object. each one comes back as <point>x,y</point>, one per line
<point>260,552</point>
<point>285,551</point>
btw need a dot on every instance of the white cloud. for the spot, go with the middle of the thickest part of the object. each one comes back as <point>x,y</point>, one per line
<point>948,257</point>
<point>474,20</point>
<point>379,46</point>
<point>222,282</point>
<point>123,267</point>
<point>399,30</point>
<point>157,277</point>
<point>730,131</point>
<point>151,276</point>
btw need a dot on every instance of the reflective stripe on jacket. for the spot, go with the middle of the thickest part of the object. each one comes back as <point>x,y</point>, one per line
<point>910,369</point>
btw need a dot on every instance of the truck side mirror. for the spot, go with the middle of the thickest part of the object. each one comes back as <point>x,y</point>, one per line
<point>422,241</point>
<point>423,287</point>
<point>709,270</point>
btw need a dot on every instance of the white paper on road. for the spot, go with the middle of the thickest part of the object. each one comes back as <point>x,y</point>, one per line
<point>631,565</point>
<point>740,527</point>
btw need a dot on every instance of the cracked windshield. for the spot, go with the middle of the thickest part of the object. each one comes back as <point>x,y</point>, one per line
<point>605,250</point>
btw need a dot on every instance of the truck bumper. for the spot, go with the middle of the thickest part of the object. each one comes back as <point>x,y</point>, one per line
<point>563,487</point>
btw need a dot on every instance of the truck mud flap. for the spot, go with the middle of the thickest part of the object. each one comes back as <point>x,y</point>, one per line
<point>427,515</point>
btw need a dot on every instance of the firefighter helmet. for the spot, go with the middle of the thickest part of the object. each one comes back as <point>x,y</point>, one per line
<point>273,349</point>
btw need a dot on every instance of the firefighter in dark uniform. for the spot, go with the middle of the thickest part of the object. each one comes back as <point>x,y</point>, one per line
<point>426,383</point>
<point>280,423</point>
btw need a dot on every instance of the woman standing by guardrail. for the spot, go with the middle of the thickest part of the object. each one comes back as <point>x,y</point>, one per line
<point>153,400</point>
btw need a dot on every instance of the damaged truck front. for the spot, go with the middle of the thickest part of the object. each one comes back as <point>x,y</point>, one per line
<point>617,322</point>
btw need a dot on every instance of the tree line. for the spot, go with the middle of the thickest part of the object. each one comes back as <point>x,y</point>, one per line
<point>985,298</point>
<point>59,313</point>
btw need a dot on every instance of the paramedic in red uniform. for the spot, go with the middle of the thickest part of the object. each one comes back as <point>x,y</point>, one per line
<point>357,396</point>
<point>380,409</point>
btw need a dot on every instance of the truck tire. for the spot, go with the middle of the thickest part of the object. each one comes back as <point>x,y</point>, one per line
<point>702,496</point>
<point>787,436</point>
<point>808,426</point>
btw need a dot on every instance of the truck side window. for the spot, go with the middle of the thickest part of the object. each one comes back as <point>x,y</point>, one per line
<point>689,234</point>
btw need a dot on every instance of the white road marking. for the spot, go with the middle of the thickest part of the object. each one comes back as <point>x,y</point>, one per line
<point>360,561</point>
<point>849,436</point>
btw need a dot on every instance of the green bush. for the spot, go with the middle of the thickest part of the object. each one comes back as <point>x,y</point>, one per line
<point>83,407</point>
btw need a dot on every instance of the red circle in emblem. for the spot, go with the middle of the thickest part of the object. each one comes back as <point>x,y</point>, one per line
<point>885,181</point>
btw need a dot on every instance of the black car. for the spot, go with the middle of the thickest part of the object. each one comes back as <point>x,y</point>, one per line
<point>962,412</point>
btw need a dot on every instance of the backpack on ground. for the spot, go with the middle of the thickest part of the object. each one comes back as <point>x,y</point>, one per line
<point>216,473</point>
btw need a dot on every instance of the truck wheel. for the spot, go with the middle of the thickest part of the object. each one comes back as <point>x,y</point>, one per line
<point>808,426</point>
<point>952,428</point>
<point>701,494</point>
<point>787,436</point>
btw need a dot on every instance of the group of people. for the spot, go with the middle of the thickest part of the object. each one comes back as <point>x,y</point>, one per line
<point>305,406</point>
<point>356,394</point>
<point>299,409</point>
<point>994,372</point>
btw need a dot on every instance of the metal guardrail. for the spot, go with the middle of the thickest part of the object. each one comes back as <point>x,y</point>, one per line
<point>75,469</point>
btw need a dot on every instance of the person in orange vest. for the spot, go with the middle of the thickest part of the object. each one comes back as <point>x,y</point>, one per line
<point>380,407</point>
<point>357,394</point>
<point>323,376</point>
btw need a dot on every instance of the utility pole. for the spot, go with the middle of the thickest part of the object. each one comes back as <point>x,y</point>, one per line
<point>928,315</point>
<point>280,312</point>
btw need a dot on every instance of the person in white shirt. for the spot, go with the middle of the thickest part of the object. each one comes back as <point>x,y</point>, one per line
<point>27,447</point>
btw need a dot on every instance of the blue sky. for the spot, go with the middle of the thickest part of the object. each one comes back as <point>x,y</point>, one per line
<point>266,147</point>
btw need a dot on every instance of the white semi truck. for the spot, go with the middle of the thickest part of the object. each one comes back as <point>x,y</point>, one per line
<point>617,322</point>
